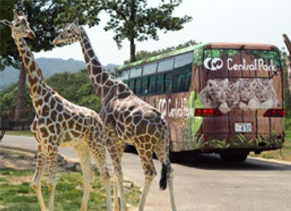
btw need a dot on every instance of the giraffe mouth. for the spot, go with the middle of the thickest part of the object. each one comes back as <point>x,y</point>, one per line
<point>55,42</point>
<point>31,36</point>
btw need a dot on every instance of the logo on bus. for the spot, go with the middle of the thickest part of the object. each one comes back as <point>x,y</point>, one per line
<point>213,64</point>
<point>176,109</point>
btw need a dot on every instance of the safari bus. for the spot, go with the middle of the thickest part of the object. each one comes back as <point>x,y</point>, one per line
<point>224,98</point>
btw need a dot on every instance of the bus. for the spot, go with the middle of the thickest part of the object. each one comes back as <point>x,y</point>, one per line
<point>224,98</point>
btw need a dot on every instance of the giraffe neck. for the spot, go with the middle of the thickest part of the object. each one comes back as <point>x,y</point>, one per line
<point>101,80</point>
<point>36,82</point>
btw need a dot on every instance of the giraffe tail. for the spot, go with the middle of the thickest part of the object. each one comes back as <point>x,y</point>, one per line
<point>164,175</point>
<point>166,162</point>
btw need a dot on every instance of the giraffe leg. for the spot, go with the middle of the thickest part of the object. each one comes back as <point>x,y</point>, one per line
<point>150,173</point>
<point>116,200</point>
<point>115,150</point>
<point>36,179</point>
<point>52,167</point>
<point>162,153</point>
<point>85,159</point>
<point>171,189</point>
<point>119,202</point>
<point>99,155</point>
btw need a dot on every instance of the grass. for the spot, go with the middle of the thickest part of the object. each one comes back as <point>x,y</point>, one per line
<point>281,154</point>
<point>17,195</point>
<point>19,133</point>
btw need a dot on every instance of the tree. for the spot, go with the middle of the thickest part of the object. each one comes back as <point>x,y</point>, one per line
<point>288,59</point>
<point>133,20</point>
<point>76,87</point>
<point>41,15</point>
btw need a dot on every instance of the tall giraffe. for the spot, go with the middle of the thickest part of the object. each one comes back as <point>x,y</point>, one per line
<point>126,117</point>
<point>59,123</point>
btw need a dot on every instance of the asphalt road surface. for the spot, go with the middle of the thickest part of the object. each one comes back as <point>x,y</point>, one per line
<point>203,182</point>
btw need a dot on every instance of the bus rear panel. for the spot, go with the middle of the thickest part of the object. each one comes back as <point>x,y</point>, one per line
<point>244,84</point>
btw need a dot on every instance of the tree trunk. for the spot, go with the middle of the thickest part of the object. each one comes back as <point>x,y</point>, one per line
<point>20,108</point>
<point>288,45</point>
<point>132,35</point>
<point>132,51</point>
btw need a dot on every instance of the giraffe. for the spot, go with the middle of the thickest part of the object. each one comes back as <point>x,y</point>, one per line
<point>59,123</point>
<point>126,117</point>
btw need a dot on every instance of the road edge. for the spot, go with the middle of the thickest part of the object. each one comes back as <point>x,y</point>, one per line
<point>75,161</point>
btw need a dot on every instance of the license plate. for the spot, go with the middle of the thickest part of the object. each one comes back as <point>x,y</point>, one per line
<point>243,127</point>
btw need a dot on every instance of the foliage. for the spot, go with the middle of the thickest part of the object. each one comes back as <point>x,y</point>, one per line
<point>75,87</point>
<point>282,154</point>
<point>41,16</point>
<point>130,19</point>
<point>287,93</point>
<point>8,52</point>
<point>8,101</point>
<point>19,133</point>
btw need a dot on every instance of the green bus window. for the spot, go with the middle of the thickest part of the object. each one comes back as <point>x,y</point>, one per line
<point>166,65</point>
<point>160,83</point>
<point>123,75</point>
<point>152,84</point>
<point>167,82</point>
<point>182,78</point>
<point>135,72</point>
<point>150,69</point>
<point>145,85</point>
<point>131,84</point>
<point>138,86</point>
<point>183,60</point>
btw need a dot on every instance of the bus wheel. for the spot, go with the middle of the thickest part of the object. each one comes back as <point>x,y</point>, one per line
<point>175,157</point>
<point>233,156</point>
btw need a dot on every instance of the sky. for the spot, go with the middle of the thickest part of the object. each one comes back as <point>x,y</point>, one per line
<point>243,21</point>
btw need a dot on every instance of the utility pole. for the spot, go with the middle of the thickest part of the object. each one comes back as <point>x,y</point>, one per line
<point>288,60</point>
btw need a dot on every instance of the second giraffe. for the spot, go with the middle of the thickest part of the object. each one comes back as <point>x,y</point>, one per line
<point>127,118</point>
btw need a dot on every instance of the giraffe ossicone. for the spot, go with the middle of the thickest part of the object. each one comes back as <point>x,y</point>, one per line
<point>59,123</point>
<point>126,117</point>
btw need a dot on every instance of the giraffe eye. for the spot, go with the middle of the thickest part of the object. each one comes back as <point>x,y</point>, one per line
<point>69,31</point>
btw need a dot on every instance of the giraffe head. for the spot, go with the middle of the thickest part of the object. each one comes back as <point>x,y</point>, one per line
<point>71,34</point>
<point>20,27</point>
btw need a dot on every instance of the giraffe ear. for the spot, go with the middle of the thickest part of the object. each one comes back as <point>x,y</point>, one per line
<point>76,21</point>
<point>15,15</point>
<point>20,13</point>
<point>6,22</point>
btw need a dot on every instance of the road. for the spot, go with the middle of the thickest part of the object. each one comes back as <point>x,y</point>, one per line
<point>203,182</point>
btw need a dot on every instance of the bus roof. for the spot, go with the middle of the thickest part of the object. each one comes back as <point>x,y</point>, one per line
<point>161,56</point>
<point>250,46</point>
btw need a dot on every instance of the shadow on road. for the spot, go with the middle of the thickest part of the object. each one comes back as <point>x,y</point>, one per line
<point>213,162</point>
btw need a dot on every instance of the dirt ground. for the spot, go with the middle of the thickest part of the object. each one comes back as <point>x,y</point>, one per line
<point>16,160</point>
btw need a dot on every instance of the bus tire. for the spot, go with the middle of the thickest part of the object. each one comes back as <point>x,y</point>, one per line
<point>232,156</point>
<point>175,157</point>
